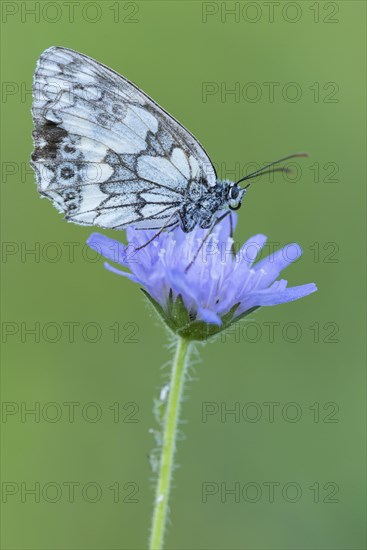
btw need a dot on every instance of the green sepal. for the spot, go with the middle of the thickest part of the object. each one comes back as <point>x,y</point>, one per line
<point>154,303</point>
<point>178,319</point>
<point>179,315</point>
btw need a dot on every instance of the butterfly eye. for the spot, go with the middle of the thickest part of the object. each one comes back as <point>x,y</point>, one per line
<point>234,201</point>
<point>234,192</point>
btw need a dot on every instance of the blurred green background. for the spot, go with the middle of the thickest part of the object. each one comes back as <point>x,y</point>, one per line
<point>311,372</point>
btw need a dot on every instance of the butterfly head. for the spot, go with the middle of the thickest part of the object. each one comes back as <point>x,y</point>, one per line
<point>235,195</point>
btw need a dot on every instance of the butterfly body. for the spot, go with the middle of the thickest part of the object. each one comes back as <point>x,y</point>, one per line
<point>106,154</point>
<point>202,210</point>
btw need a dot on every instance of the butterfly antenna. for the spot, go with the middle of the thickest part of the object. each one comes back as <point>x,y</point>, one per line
<point>261,170</point>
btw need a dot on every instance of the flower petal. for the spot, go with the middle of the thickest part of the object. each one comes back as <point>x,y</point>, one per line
<point>180,285</point>
<point>109,248</point>
<point>209,316</point>
<point>223,229</point>
<point>123,273</point>
<point>281,258</point>
<point>251,249</point>
<point>273,265</point>
<point>272,297</point>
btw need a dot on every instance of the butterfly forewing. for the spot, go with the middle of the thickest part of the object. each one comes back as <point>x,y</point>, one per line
<point>105,153</point>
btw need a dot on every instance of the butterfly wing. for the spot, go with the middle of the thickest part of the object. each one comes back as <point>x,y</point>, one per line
<point>104,152</point>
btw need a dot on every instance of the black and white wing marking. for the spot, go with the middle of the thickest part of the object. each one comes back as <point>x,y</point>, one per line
<point>104,152</point>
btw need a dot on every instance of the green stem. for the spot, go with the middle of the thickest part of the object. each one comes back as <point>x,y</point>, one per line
<point>169,444</point>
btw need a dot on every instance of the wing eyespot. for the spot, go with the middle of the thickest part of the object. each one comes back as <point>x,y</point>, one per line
<point>67,173</point>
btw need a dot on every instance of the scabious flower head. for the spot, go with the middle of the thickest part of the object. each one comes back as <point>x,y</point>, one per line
<point>219,288</point>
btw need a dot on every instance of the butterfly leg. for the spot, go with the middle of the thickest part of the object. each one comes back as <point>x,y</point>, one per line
<point>165,226</point>
<point>210,231</point>
<point>231,232</point>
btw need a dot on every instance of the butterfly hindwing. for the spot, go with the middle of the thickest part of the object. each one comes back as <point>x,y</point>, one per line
<point>105,153</point>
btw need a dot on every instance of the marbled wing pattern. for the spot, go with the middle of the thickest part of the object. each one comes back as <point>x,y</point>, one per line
<point>105,153</point>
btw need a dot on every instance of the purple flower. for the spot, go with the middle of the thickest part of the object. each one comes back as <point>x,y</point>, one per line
<point>218,288</point>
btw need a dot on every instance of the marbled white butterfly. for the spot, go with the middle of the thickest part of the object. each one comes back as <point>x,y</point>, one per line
<point>106,154</point>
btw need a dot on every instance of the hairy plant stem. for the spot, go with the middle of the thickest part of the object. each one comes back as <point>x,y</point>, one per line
<point>170,424</point>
